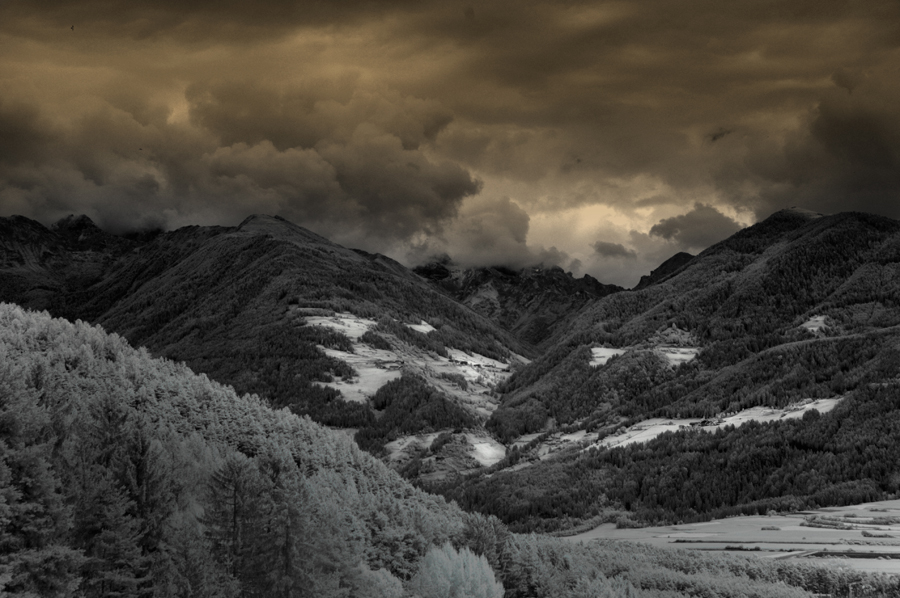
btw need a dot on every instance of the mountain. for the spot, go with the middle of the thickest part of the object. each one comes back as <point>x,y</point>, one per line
<point>123,474</point>
<point>797,309</point>
<point>768,355</point>
<point>274,309</point>
<point>532,303</point>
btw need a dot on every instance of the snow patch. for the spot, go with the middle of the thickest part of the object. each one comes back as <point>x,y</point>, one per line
<point>376,367</point>
<point>485,450</point>
<point>815,324</point>
<point>525,439</point>
<point>649,429</point>
<point>346,323</point>
<point>678,355</point>
<point>600,355</point>
<point>424,327</point>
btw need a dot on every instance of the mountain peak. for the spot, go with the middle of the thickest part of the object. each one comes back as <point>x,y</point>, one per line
<point>72,223</point>
<point>279,228</point>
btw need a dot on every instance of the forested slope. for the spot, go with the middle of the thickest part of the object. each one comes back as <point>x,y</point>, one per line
<point>127,475</point>
<point>743,302</point>
<point>790,309</point>
<point>232,302</point>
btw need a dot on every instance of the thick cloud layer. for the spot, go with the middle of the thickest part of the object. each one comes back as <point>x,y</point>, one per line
<point>697,229</point>
<point>354,166</point>
<point>614,133</point>
<point>607,250</point>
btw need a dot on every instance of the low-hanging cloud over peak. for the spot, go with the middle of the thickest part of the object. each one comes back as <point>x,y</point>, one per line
<point>613,250</point>
<point>701,227</point>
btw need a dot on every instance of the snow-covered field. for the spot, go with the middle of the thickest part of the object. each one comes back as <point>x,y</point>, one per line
<point>377,367</point>
<point>348,324</point>
<point>678,355</point>
<point>649,429</point>
<point>674,345</point>
<point>485,449</point>
<point>423,327</point>
<point>374,367</point>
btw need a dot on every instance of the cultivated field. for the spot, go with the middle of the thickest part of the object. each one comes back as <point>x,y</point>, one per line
<point>865,537</point>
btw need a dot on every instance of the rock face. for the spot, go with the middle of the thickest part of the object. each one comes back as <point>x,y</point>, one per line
<point>531,303</point>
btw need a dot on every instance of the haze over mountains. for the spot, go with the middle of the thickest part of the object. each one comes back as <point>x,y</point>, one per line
<point>507,375</point>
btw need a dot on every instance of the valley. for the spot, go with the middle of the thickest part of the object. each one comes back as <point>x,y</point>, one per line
<point>759,376</point>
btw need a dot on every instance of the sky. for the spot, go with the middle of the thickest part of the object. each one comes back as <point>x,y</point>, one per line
<point>601,137</point>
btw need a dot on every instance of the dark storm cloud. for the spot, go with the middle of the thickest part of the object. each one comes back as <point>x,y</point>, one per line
<point>490,232</point>
<point>22,135</point>
<point>388,121</point>
<point>697,229</point>
<point>613,250</point>
<point>845,156</point>
<point>238,112</point>
<point>357,166</point>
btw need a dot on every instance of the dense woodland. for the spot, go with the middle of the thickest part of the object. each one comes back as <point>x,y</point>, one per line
<point>127,475</point>
<point>844,457</point>
<point>743,300</point>
<point>406,406</point>
<point>230,302</point>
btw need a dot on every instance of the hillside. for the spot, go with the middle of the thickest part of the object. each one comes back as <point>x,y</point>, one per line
<point>123,474</point>
<point>795,308</point>
<point>274,309</point>
<point>532,303</point>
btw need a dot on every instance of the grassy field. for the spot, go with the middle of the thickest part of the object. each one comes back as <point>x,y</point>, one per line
<point>865,537</point>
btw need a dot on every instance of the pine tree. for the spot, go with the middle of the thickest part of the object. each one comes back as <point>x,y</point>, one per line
<point>446,573</point>
<point>232,515</point>
<point>109,537</point>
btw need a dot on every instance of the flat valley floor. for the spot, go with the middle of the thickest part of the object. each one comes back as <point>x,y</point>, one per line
<point>865,537</point>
